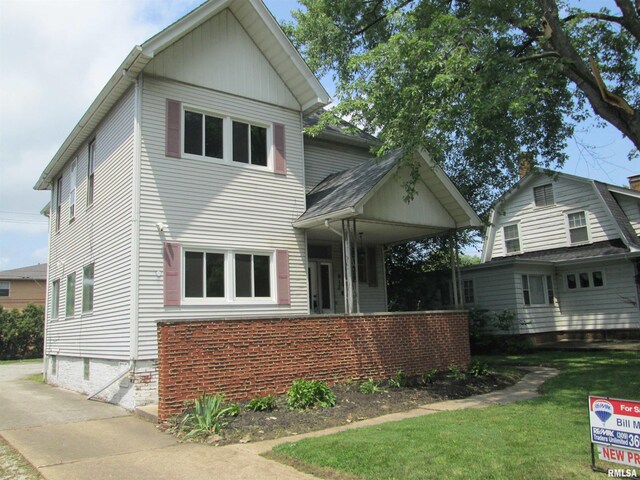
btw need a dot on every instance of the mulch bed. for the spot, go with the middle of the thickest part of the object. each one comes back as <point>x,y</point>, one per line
<point>353,406</point>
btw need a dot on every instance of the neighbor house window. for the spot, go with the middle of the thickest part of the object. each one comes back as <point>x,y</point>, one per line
<point>469,294</point>
<point>58,202</point>
<point>90,172</point>
<point>537,289</point>
<point>598,280</point>
<point>203,134</point>
<point>4,288</point>
<point>72,189</point>
<point>572,283</point>
<point>512,238</point>
<point>253,275</point>
<point>87,289</point>
<point>71,295</point>
<point>585,280</point>
<point>204,275</point>
<point>55,298</point>
<point>362,265</point>
<point>578,232</point>
<point>249,144</point>
<point>543,195</point>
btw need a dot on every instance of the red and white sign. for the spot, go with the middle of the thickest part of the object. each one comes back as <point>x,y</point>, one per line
<point>619,455</point>
<point>615,426</point>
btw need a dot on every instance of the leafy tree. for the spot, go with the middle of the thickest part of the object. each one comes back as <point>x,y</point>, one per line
<point>21,333</point>
<point>478,83</point>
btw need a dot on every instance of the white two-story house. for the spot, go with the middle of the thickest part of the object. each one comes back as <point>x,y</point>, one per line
<point>562,253</point>
<point>189,191</point>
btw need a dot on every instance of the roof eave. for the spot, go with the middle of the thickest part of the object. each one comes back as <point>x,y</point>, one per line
<point>319,220</point>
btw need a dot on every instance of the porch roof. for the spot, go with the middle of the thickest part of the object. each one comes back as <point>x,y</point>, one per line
<point>373,193</point>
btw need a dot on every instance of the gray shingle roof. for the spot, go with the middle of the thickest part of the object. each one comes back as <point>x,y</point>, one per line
<point>344,130</point>
<point>345,189</point>
<point>597,249</point>
<point>618,214</point>
<point>37,272</point>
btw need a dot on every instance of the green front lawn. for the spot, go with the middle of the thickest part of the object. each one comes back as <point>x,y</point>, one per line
<point>547,437</point>
<point>29,360</point>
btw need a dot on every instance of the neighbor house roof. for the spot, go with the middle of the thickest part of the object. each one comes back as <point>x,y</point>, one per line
<point>259,24</point>
<point>33,272</point>
<point>343,132</point>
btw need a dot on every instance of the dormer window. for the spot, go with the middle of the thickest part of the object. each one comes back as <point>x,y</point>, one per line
<point>578,231</point>
<point>543,195</point>
<point>512,238</point>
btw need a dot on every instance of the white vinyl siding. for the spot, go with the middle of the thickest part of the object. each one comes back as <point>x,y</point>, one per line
<point>321,159</point>
<point>221,56</point>
<point>214,206</point>
<point>100,234</point>
<point>546,229</point>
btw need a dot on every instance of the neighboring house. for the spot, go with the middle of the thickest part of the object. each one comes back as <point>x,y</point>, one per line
<point>188,191</point>
<point>562,252</point>
<point>21,286</point>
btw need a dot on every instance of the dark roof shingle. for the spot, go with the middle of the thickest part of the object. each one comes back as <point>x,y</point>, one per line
<point>37,272</point>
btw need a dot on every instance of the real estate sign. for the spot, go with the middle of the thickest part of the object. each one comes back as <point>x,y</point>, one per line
<point>615,427</point>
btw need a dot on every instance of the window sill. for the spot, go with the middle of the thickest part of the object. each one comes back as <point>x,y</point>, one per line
<point>231,304</point>
<point>228,163</point>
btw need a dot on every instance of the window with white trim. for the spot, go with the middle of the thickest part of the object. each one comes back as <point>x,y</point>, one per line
<point>469,294</point>
<point>203,134</point>
<point>204,275</point>
<point>537,290</point>
<point>55,298</point>
<point>582,280</point>
<point>578,231</point>
<point>87,288</point>
<point>511,238</point>
<point>249,143</point>
<point>5,287</point>
<point>543,195</point>
<point>72,189</point>
<point>58,202</point>
<point>71,295</point>
<point>90,171</point>
<point>252,276</point>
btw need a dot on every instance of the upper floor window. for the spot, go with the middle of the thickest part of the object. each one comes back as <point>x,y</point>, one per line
<point>72,189</point>
<point>58,202</point>
<point>543,195</point>
<point>585,280</point>
<point>203,135</point>
<point>578,231</point>
<point>512,238</point>
<point>249,144</point>
<point>87,288</point>
<point>90,171</point>
<point>537,290</point>
<point>4,288</point>
<point>71,295</point>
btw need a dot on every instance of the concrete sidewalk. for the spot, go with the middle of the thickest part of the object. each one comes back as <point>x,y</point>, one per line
<point>78,439</point>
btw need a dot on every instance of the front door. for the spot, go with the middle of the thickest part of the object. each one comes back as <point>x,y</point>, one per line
<point>320,287</point>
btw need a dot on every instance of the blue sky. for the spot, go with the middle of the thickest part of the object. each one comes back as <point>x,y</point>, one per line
<point>56,55</point>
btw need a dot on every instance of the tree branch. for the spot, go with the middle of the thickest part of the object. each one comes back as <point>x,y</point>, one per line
<point>382,17</point>
<point>538,56</point>
<point>594,15</point>
<point>631,17</point>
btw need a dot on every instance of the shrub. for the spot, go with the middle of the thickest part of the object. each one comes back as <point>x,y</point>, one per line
<point>495,332</point>
<point>21,333</point>
<point>262,404</point>
<point>304,394</point>
<point>478,369</point>
<point>399,380</point>
<point>455,373</point>
<point>206,416</point>
<point>370,386</point>
<point>429,376</point>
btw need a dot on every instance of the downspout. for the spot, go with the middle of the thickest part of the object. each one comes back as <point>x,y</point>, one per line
<point>48,286</point>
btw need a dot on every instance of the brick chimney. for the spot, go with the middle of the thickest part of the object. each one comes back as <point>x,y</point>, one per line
<point>634,182</point>
<point>526,163</point>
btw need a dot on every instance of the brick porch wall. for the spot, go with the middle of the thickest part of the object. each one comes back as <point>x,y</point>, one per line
<point>246,358</point>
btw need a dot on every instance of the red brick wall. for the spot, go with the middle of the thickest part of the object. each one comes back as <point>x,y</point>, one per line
<point>245,358</point>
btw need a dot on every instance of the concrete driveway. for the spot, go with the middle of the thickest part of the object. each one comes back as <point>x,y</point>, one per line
<point>67,437</point>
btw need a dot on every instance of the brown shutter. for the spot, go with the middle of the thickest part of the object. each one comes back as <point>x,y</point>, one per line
<point>174,127</point>
<point>171,253</point>
<point>282,274</point>
<point>372,273</point>
<point>280,162</point>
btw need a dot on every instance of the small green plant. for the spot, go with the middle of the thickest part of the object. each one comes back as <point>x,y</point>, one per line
<point>262,404</point>
<point>429,376</point>
<point>399,380</point>
<point>479,369</point>
<point>206,416</point>
<point>370,386</point>
<point>304,394</point>
<point>455,373</point>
